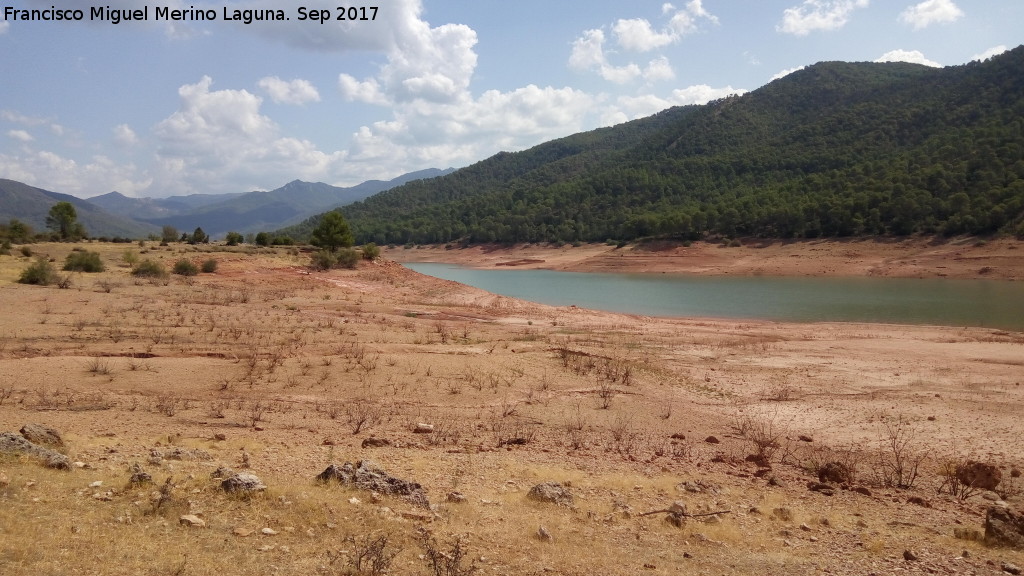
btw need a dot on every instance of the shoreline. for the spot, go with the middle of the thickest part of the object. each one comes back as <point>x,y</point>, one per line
<point>966,258</point>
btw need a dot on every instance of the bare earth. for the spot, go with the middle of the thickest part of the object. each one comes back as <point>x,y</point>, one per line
<point>912,258</point>
<point>268,367</point>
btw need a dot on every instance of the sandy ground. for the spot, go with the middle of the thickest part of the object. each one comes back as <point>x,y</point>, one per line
<point>912,258</point>
<point>267,365</point>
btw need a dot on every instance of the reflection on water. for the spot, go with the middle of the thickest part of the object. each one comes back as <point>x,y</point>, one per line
<point>991,303</point>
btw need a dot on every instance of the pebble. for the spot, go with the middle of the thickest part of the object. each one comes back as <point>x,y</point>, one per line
<point>268,532</point>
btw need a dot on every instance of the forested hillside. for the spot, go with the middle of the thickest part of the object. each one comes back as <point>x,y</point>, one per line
<point>836,149</point>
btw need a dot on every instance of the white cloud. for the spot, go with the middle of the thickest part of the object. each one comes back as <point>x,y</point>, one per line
<point>633,107</point>
<point>20,135</point>
<point>912,56</point>
<point>785,73</point>
<point>51,171</point>
<point>16,118</point>
<point>124,135</point>
<point>818,15</point>
<point>638,35</point>
<point>658,70</point>
<point>219,141</point>
<point>4,26</point>
<point>994,51</point>
<point>931,12</point>
<point>291,92</point>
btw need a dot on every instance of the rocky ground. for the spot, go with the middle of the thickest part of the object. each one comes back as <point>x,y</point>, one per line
<point>661,445</point>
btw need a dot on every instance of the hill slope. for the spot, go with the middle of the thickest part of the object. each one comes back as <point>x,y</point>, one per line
<point>836,149</point>
<point>31,205</point>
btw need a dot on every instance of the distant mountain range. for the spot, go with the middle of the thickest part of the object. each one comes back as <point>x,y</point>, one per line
<point>115,214</point>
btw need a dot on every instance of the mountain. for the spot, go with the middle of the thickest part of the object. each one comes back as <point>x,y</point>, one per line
<point>149,208</point>
<point>31,205</point>
<point>835,149</point>
<point>250,211</point>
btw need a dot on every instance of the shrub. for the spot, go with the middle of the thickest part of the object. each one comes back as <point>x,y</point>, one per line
<point>40,273</point>
<point>234,238</point>
<point>83,262</point>
<point>323,260</point>
<point>26,251</point>
<point>370,251</point>
<point>130,257</point>
<point>347,258</point>
<point>209,266</point>
<point>5,248</point>
<point>185,267</point>
<point>150,269</point>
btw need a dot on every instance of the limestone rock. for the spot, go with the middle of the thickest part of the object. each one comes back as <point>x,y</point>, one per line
<point>1004,527</point>
<point>243,483</point>
<point>422,428</point>
<point>552,492</point>
<point>192,520</point>
<point>14,443</point>
<point>456,497</point>
<point>365,475</point>
<point>41,434</point>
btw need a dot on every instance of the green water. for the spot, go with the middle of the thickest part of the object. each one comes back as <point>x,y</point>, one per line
<point>989,303</point>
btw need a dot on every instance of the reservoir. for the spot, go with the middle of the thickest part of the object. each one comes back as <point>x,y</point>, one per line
<point>937,301</point>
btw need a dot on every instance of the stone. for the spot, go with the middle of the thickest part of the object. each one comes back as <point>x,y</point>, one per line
<point>422,428</point>
<point>192,521</point>
<point>712,440</point>
<point>268,532</point>
<point>551,492</point>
<point>806,438</point>
<point>41,434</point>
<point>980,475</point>
<point>909,556</point>
<point>835,472</point>
<point>862,490</point>
<point>367,476</point>
<point>1011,568</point>
<point>1003,527</point>
<point>456,497</point>
<point>139,475</point>
<point>15,443</point>
<point>544,535</point>
<point>221,473</point>
<point>372,442</point>
<point>244,483</point>
<point>243,532</point>
<point>919,501</point>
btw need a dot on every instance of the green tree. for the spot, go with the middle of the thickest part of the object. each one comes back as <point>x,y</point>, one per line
<point>262,239</point>
<point>63,219</point>
<point>332,232</point>
<point>234,238</point>
<point>169,234</point>
<point>199,237</point>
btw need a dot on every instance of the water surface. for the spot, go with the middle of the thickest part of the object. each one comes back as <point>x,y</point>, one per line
<point>950,302</point>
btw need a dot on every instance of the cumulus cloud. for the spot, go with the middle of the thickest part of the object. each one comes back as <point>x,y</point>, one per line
<point>931,12</point>
<point>52,171</point>
<point>912,56</point>
<point>125,136</point>
<point>20,135</point>
<point>291,92</point>
<point>994,51</point>
<point>639,35</point>
<point>633,107</point>
<point>815,15</point>
<point>785,73</point>
<point>219,140</point>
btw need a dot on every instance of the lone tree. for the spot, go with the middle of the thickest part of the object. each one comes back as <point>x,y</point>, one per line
<point>63,219</point>
<point>332,232</point>
<point>199,237</point>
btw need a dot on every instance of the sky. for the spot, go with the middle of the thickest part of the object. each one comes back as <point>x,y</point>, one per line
<point>162,107</point>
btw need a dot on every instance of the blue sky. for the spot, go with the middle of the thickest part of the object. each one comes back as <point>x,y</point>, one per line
<point>162,108</point>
